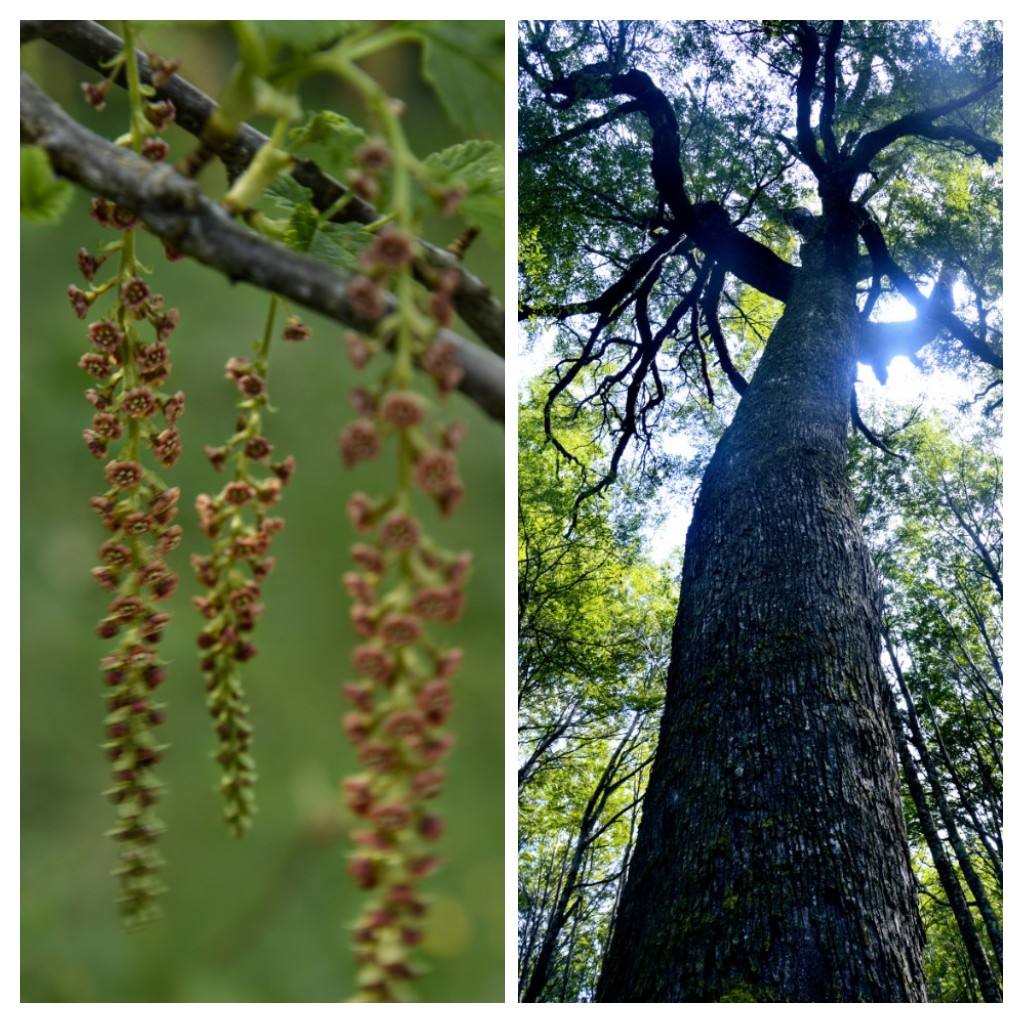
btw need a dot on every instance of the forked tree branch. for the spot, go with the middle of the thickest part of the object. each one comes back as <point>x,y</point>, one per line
<point>175,208</point>
<point>93,45</point>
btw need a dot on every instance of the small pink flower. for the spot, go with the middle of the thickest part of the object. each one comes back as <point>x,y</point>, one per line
<point>238,492</point>
<point>440,363</point>
<point>435,701</point>
<point>80,301</point>
<point>359,587</point>
<point>96,364</point>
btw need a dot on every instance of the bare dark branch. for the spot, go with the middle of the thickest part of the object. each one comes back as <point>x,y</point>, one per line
<point>92,44</point>
<point>174,208</point>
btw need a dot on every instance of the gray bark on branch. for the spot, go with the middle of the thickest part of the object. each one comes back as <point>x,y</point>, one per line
<point>175,208</point>
<point>92,44</point>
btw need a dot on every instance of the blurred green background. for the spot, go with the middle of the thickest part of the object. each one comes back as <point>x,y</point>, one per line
<point>264,919</point>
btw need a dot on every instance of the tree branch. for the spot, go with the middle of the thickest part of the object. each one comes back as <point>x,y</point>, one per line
<point>826,120</point>
<point>810,51</point>
<point>917,123</point>
<point>174,208</point>
<point>92,44</point>
<point>926,307</point>
<point>591,124</point>
<point>707,223</point>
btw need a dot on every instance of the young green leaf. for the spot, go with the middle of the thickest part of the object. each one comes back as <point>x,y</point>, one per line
<point>44,197</point>
<point>334,134</point>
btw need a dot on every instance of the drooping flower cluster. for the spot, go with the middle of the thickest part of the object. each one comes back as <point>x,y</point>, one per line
<point>238,521</point>
<point>403,584</point>
<point>133,412</point>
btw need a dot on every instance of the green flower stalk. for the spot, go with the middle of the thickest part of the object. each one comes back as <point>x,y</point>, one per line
<point>239,523</point>
<point>135,423</point>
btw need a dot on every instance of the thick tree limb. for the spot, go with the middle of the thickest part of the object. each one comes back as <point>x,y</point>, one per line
<point>918,123</point>
<point>926,307</point>
<point>175,208</point>
<point>810,52</point>
<point>707,223</point>
<point>826,127</point>
<point>92,44</point>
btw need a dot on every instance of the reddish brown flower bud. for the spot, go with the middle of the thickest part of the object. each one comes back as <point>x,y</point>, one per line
<point>365,298</point>
<point>95,93</point>
<point>96,445</point>
<point>107,426</point>
<point>373,662</point>
<point>391,249</point>
<point>123,475</point>
<point>88,264</point>
<point>357,795</point>
<point>295,330</point>
<point>356,726</point>
<point>400,630</point>
<point>391,816</point>
<point>101,210</point>
<point>435,701</point>
<point>357,442</point>
<point>174,407</point>
<point>167,446</point>
<point>439,361</point>
<point>436,472</point>
<point>122,218</point>
<point>165,324</point>
<point>400,532</point>
<point>258,448</point>
<point>169,539</point>
<point>365,871</point>
<point>374,156</point>
<point>359,352</point>
<point>136,524</point>
<point>134,293</point>
<point>96,364</point>
<point>402,409</point>
<point>283,470</point>
<point>428,783</point>
<point>238,492</point>
<point>360,694</point>
<point>368,558</point>
<point>360,511</point>
<point>162,69</point>
<point>152,357</point>
<point>80,301</point>
<point>155,150</point>
<point>431,827</point>
<point>160,114</point>
<point>250,385</point>
<point>138,403</point>
<point>104,577</point>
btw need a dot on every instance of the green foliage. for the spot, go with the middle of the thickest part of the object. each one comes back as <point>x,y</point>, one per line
<point>464,61</point>
<point>333,137</point>
<point>44,197</point>
<point>479,168</point>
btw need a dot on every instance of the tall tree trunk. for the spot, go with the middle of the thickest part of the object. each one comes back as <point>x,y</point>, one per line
<point>771,862</point>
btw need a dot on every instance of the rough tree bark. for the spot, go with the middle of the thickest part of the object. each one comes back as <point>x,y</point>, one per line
<point>771,862</point>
